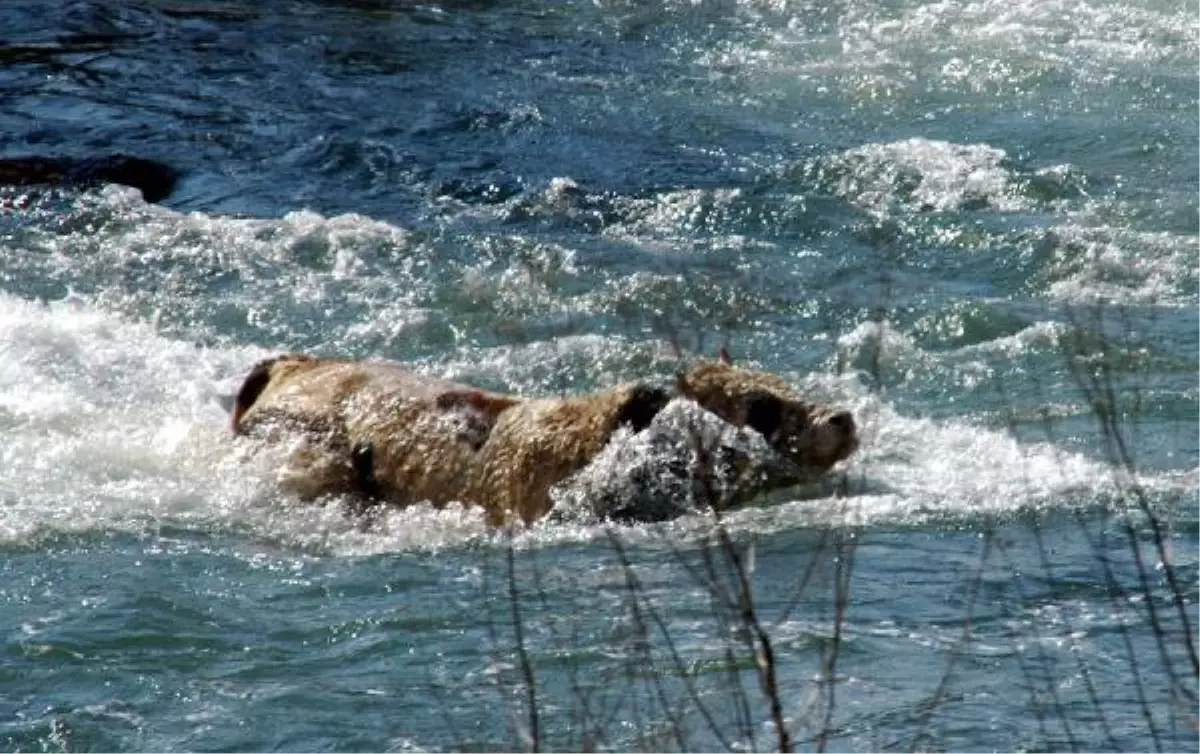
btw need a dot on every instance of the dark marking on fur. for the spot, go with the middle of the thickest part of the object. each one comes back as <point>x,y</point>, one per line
<point>362,460</point>
<point>473,428</point>
<point>643,405</point>
<point>764,414</point>
<point>477,411</point>
<point>489,405</point>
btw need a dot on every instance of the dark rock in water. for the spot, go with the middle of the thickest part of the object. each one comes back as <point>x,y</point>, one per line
<point>155,180</point>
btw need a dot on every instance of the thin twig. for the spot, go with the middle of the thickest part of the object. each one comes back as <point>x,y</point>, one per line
<point>533,734</point>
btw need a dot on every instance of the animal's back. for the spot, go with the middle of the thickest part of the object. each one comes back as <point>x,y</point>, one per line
<point>372,428</point>
<point>540,442</point>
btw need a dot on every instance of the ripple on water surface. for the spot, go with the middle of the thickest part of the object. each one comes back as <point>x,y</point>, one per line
<point>947,217</point>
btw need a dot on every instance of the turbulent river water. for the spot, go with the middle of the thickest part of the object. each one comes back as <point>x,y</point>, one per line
<point>973,223</point>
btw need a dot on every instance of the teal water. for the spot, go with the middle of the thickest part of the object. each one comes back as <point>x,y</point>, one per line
<point>926,212</point>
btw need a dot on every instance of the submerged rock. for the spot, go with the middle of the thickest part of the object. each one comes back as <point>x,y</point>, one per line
<point>687,460</point>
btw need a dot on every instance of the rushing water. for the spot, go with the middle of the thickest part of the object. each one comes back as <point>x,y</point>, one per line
<point>926,212</point>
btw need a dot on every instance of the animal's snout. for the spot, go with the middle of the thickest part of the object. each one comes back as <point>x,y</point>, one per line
<point>844,421</point>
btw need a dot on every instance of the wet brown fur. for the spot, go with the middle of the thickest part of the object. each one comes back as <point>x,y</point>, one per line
<point>408,438</point>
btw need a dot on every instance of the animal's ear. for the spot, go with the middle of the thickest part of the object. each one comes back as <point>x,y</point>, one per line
<point>642,405</point>
<point>723,356</point>
<point>682,386</point>
<point>764,414</point>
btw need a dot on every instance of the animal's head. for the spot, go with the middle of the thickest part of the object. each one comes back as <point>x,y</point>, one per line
<point>813,437</point>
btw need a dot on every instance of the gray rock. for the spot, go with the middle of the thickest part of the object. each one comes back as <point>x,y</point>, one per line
<point>687,460</point>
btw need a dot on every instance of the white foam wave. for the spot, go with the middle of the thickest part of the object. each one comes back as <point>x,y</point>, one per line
<point>1121,265</point>
<point>194,270</point>
<point>110,426</point>
<point>875,55</point>
<point>925,174</point>
<point>955,467</point>
<point>675,215</point>
<point>880,347</point>
<point>911,470</point>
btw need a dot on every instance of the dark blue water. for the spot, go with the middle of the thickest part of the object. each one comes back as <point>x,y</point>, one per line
<point>975,225</point>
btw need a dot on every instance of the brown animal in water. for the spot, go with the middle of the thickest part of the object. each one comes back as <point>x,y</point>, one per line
<point>377,430</point>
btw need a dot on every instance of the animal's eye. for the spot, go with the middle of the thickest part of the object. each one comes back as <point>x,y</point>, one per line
<point>764,413</point>
<point>643,405</point>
